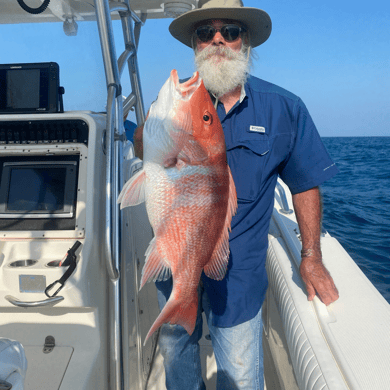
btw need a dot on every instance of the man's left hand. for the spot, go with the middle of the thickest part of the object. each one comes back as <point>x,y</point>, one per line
<point>317,279</point>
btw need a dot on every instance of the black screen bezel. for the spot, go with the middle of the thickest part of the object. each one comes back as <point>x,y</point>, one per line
<point>48,88</point>
<point>35,223</point>
<point>69,189</point>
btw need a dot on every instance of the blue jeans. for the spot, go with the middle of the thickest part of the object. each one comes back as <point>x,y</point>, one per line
<point>238,350</point>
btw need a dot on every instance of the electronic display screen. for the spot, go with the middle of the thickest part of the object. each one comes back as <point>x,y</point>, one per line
<point>38,189</point>
<point>23,88</point>
<point>29,88</point>
<point>46,189</point>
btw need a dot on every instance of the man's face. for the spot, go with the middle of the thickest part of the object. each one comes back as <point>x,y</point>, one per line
<point>218,39</point>
<point>222,65</point>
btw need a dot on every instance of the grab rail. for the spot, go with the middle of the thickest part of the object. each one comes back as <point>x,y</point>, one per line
<point>285,207</point>
<point>112,269</point>
<point>129,103</point>
<point>114,152</point>
<point>118,6</point>
<point>45,302</point>
<point>129,51</point>
<point>114,120</point>
<point>131,37</point>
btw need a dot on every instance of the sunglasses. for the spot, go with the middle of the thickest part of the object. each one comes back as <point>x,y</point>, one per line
<point>230,32</point>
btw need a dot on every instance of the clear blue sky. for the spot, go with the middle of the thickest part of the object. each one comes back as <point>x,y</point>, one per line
<point>334,54</point>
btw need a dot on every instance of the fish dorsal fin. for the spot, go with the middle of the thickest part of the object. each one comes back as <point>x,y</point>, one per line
<point>217,266</point>
<point>155,268</point>
<point>133,191</point>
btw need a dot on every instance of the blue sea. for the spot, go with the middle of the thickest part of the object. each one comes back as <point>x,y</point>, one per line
<point>357,204</point>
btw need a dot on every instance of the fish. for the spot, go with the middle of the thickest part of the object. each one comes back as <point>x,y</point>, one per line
<point>189,194</point>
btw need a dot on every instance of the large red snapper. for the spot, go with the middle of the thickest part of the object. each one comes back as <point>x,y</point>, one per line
<point>189,193</point>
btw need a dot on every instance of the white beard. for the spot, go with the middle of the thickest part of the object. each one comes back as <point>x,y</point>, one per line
<point>222,69</point>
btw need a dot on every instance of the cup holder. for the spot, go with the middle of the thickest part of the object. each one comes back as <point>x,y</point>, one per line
<point>54,263</point>
<point>23,263</point>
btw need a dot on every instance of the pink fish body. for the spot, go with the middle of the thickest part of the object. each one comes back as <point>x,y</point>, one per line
<point>189,193</point>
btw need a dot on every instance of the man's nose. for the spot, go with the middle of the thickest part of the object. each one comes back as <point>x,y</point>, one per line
<point>218,39</point>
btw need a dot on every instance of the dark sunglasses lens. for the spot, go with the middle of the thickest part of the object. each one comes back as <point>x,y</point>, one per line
<point>230,33</point>
<point>205,33</point>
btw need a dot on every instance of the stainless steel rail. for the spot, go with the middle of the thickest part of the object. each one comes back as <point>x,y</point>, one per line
<point>111,263</point>
<point>113,87</point>
<point>124,57</point>
<point>114,100</point>
<point>131,35</point>
<point>114,158</point>
<point>131,41</point>
<point>129,103</point>
<point>285,207</point>
<point>118,6</point>
<point>44,303</point>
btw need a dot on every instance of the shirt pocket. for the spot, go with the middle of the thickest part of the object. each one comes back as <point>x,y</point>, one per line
<point>246,159</point>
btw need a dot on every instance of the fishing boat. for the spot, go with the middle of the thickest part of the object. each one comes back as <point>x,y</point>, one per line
<point>71,261</point>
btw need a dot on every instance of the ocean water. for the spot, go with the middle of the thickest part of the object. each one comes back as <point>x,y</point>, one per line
<point>357,204</point>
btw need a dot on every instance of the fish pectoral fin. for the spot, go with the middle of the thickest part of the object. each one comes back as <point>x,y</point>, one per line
<point>217,266</point>
<point>133,192</point>
<point>192,153</point>
<point>156,268</point>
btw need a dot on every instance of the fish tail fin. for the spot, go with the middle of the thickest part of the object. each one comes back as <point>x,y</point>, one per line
<point>177,312</point>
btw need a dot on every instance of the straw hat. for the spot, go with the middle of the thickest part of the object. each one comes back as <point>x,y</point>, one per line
<point>256,20</point>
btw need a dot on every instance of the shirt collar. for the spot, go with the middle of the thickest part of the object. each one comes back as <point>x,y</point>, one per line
<point>242,95</point>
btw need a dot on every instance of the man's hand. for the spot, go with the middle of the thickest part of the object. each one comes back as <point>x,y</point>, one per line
<point>316,277</point>
<point>137,142</point>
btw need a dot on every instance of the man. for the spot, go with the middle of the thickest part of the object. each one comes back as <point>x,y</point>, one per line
<point>268,132</point>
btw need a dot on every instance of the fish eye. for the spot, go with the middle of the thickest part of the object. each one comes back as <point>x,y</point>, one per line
<point>207,118</point>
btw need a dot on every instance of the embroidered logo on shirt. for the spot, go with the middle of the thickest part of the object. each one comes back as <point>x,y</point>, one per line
<point>257,129</point>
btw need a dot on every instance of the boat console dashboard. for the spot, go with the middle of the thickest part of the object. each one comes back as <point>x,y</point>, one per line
<point>50,131</point>
<point>49,164</point>
<point>43,154</point>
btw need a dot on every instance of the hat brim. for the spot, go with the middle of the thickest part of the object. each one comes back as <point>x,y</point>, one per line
<point>256,20</point>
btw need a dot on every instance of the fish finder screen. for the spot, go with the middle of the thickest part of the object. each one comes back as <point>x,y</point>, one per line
<point>38,189</point>
<point>46,189</point>
<point>30,88</point>
<point>23,88</point>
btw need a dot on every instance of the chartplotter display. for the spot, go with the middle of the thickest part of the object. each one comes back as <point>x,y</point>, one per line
<point>38,189</point>
<point>29,88</point>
